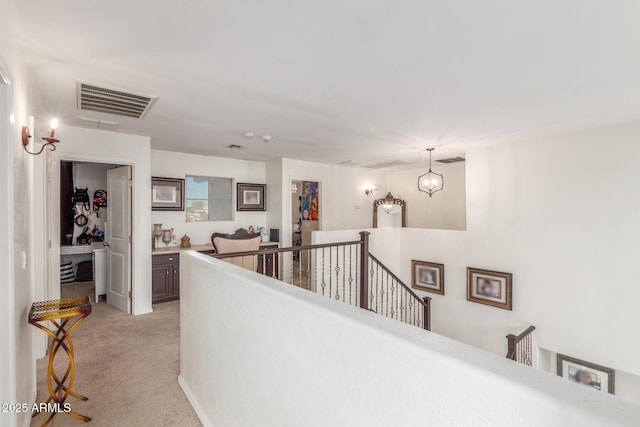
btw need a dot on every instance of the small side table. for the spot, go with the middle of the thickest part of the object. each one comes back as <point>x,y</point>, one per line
<point>65,315</point>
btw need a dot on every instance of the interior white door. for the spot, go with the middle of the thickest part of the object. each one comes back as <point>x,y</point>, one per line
<point>118,238</point>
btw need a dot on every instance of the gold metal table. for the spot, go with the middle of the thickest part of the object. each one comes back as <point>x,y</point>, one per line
<point>65,315</point>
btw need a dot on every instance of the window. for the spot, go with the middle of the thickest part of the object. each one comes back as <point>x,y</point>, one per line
<point>208,198</point>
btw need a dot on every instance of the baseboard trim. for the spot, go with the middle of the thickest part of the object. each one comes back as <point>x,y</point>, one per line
<point>194,402</point>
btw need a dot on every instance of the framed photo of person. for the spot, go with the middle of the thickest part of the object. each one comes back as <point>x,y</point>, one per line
<point>427,276</point>
<point>489,287</point>
<point>167,194</point>
<point>251,197</point>
<point>579,371</point>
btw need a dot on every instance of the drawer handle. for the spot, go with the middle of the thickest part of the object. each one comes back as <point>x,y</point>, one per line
<point>167,272</point>
<point>170,259</point>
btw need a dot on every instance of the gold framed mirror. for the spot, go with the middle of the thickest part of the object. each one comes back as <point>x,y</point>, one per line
<point>389,212</point>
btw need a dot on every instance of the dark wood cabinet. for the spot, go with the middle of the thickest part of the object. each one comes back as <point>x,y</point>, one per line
<point>165,271</point>
<point>271,261</point>
<point>165,277</point>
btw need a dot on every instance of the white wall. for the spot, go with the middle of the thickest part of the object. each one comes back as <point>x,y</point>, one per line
<point>17,358</point>
<point>274,354</point>
<point>343,204</point>
<point>561,215</point>
<point>275,186</point>
<point>7,282</point>
<point>169,164</point>
<point>116,148</point>
<point>444,210</point>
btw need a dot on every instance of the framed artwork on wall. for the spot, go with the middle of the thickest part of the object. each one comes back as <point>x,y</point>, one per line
<point>489,287</point>
<point>167,194</point>
<point>251,197</point>
<point>579,371</point>
<point>427,276</point>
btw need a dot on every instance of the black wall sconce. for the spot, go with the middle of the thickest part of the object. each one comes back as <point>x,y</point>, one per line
<point>50,140</point>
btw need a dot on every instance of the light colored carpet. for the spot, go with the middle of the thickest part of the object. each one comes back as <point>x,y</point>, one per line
<point>128,367</point>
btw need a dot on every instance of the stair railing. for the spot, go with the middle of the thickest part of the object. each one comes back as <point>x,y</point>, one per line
<point>390,297</point>
<point>343,271</point>
<point>520,347</point>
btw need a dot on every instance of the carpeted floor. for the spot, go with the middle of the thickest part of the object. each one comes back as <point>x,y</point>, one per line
<point>128,367</point>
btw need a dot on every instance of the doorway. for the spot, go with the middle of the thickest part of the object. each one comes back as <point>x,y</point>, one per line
<point>305,219</point>
<point>94,205</point>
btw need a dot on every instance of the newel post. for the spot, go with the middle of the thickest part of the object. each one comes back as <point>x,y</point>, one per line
<point>511,349</point>
<point>364,269</point>
<point>427,313</point>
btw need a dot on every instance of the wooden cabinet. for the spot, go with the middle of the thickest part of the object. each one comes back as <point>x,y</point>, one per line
<point>165,277</point>
<point>271,260</point>
<point>165,271</point>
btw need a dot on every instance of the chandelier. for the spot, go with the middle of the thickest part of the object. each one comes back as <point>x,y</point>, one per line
<point>430,182</point>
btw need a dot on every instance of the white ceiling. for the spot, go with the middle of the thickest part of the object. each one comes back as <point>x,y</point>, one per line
<point>340,80</point>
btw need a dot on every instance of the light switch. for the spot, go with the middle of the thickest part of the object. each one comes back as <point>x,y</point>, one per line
<point>357,207</point>
<point>24,260</point>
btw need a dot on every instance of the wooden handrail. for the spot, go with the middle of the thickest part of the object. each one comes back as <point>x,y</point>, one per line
<point>364,259</point>
<point>518,338</point>
<point>513,340</point>
<point>282,250</point>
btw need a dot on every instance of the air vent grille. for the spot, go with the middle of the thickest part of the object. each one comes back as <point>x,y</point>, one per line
<point>451,160</point>
<point>236,147</point>
<point>113,101</point>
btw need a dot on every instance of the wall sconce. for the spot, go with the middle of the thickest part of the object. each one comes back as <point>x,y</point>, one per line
<point>50,140</point>
<point>369,189</point>
<point>430,182</point>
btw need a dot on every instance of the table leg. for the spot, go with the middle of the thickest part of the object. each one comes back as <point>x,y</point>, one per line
<point>61,391</point>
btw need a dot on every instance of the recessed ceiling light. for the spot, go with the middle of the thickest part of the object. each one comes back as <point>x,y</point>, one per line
<point>248,135</point>
<point>236,147</point>
<point>266,138</point>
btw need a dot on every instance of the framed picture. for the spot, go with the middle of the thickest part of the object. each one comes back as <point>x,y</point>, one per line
<point>251,197</point>
<point>310,201</point>
<point>427,276</point>
<point>586,373</point>
<point>167,194</point>
<point>489,287</point>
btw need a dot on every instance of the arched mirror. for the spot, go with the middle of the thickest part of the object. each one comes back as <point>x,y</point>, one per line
<point>389,212</point>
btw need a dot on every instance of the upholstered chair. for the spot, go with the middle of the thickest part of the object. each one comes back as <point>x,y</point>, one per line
<point>240,241</point>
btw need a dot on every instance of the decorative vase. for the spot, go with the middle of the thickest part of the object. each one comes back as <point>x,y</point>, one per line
<point>157,232</point>
<point>167,236</point>
<point>185,242</point>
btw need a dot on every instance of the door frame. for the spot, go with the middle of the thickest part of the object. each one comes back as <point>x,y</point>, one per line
<point>52,232</point>
<point>288,236</point>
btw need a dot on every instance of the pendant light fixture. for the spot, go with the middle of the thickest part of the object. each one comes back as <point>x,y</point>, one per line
<point>430,182</point>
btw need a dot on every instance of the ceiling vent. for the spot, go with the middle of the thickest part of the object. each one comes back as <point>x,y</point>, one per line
<point>451,160</point>
<point>236,147</point>
<point>388,164</point>
<point>113,101</point>
<point>349,163</point>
